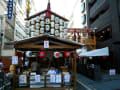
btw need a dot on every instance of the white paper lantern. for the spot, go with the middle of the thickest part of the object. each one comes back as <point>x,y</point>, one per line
<point>57,19</point>
<point>61,22</point>
<point>32,28</point>
<point>32,21</point>
<point>37,31</point>
<point>38,19</point>
<point>65,24</point>
<point>27,23</point>
<point>28,54</point>
<point>41,30</point>
<point>52,31</point>
<point>37,25</point>
<point>52,24</point>
<point>52,17</point>
<point>61,34</point>
<point>42,23</point>
<point>27,30</point>
<point>47,27</point>
<point>42,17</point>
<point>57,33</point>
<point>65,37</point>
<point>90,57</point>
<point>65,31</point>
<point>56,26</point>
<point>56,54</point>
<point>61,28</point>
<point>47,20</point>
<point>32,34</point>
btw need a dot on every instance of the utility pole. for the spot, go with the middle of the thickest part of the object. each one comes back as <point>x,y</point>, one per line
<point>1,36</point>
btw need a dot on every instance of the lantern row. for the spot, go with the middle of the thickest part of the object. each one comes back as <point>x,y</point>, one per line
<point>41,24</point>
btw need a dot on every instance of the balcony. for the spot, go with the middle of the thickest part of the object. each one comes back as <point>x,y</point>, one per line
<point>102,20</point>
<point>98,7</point>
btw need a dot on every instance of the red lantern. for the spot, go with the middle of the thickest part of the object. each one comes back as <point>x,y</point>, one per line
<point>42,54</point>
<point>81,57</point>
<point>56,54</point>
<point>104,57</point>
<point>67,54</point>
<point>88,31</point>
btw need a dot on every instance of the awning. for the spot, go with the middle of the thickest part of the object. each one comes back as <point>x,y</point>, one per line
<point>96,52</point>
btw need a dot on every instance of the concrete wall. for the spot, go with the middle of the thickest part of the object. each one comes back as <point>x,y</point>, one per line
<point>8,52</point>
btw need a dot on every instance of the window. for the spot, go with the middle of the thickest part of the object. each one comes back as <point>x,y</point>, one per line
<point>83,7</point>
<point>83,19</point>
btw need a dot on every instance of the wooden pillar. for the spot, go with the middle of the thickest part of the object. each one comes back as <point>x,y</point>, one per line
<point>14,75</point>
<point>75,71</point>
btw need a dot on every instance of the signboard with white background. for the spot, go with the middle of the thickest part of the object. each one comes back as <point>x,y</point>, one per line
<point>46,44</point>
<point>14,59</point>
<point>112,72</point>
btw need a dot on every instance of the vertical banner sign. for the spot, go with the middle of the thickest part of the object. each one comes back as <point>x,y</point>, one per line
<point>14,59</point>
<point>10,9</point>
<point>46,44</point>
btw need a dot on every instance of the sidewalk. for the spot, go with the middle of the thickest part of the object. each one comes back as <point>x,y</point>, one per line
<point>109,82</point>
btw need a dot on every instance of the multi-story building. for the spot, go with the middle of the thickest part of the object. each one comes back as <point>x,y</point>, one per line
<point>13,29</point>
<point>7,26</point>
<point>21,14</point>
<point>105,16</point>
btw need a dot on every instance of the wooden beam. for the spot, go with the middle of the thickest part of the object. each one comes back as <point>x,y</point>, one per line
<point>50,47</point>
<point>64,88</point>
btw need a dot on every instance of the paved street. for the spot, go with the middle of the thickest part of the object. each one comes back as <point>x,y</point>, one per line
<point>109,83</point>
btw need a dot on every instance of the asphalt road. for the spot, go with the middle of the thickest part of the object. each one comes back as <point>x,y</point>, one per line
<point>80,87</point>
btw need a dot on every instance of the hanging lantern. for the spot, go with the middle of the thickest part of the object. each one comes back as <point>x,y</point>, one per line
<point>56,54</point>
<point>90,57</point>
<point>88,31</point>
<point>42,54</point>
<point>28,54</point>
<point>67,54</point>
<point>103,57</point>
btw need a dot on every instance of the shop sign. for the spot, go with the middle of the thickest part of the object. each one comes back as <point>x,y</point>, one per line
<point>46,44</point>
<point>10,9</point>
<point>37,78</point>
<point>112,72</point>
<point>14,59</point>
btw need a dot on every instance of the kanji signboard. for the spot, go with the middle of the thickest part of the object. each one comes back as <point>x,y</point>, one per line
<point>10,9</point>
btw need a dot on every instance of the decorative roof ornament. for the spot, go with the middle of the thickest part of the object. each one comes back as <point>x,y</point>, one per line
<point>48,8</point>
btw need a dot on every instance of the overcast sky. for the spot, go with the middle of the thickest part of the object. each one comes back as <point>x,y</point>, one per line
<point>62,7</point>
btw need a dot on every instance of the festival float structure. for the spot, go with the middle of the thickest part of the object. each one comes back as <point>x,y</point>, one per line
<point>47,38</point>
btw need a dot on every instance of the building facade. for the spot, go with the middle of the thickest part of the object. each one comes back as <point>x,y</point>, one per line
<point>6,26</point>
<point>12,29</point>
<point>104,15</point>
